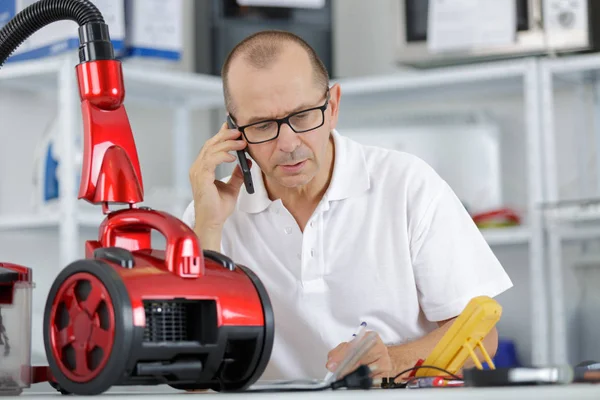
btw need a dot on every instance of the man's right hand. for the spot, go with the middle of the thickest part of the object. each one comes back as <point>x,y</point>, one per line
<point>214,201</point>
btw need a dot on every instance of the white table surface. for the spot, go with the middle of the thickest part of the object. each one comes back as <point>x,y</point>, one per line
<point>566,392</point>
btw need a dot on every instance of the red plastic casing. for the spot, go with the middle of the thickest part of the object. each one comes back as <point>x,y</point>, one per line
<point>178,271</point>
<point>111,170</point>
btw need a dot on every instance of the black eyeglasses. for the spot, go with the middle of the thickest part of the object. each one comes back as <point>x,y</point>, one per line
<point>300,121</point>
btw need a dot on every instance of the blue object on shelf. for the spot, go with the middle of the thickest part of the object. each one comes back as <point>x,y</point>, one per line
<point>50,176</point>
<point>506,355</point>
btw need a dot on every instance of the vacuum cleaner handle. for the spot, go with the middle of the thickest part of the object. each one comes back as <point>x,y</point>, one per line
<point>182,254</point>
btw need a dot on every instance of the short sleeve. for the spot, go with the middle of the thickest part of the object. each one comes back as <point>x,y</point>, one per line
<point>452,261</point>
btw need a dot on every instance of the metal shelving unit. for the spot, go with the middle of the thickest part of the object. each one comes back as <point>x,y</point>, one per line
<point>184,92</point>
<point>436,86</point>
<point>566,220</point>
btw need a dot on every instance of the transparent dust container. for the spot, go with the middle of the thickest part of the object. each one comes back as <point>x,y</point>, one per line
<point>15,329</point>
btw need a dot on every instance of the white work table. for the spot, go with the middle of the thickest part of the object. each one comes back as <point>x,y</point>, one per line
<point>571,392</point>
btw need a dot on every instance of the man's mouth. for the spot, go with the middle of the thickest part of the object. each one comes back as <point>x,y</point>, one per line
<point>293,167</point>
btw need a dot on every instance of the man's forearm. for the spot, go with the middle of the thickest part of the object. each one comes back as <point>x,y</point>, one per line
<point>210,239</point>
<point>406,355</point>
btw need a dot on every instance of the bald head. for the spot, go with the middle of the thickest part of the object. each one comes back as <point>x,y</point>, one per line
<point>262,50</point>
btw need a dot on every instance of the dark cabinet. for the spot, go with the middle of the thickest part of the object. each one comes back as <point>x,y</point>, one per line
<point>221,24</point>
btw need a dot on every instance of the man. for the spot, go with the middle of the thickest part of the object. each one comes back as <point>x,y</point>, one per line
<point>338,232</point>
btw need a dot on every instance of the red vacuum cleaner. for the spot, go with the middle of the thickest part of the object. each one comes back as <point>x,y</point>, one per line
<point>128,314</point>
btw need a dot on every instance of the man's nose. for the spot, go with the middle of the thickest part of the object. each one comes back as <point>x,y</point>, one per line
<point>288,140</point>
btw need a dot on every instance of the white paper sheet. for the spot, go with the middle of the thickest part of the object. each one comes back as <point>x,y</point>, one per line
<point>283,3</point>
<point>470,24</point>
<point>359,346</point>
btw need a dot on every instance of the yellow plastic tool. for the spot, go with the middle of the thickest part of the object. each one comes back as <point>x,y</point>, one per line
<point>464,337</point>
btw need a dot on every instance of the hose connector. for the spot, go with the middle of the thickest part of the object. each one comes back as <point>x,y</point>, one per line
<point>94,42</point>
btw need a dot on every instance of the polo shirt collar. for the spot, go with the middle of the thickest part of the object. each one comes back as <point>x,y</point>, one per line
<point>350,174</point>
<point>350,177</point>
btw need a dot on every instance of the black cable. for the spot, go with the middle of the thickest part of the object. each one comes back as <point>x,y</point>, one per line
<point>93,32</point>
<point>360,378</point>
<point>427,367</point>
<point>389,383</point>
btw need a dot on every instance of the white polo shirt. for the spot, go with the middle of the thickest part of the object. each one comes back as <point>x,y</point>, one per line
<point>389,244</point>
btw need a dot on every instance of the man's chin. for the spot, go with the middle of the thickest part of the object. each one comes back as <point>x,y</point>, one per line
<point>294,181</point>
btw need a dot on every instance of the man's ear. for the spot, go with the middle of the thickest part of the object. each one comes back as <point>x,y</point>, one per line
<point>335,93</point>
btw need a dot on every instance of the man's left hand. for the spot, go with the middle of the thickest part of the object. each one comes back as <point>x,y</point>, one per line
<point>377,359</point>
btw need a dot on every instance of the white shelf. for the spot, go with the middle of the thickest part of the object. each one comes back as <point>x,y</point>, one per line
<point>47,68</point>
<point>574,213</point>
<point>159,87</point>
<point>507,236</point>
<point>207,89</point>
<point>583,261</point>
<point>575,232</point>
<point>572,222</point>
<point>28,221</point>
<point>462,81</point>
<point>565,66</point>
<point>45,220</point>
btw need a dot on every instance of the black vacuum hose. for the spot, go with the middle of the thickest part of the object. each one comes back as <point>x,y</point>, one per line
<point>93,32</point>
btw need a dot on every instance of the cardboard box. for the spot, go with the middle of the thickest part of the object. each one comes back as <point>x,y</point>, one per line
<point>154,28</point>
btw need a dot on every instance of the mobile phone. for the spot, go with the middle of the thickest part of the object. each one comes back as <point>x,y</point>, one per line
<point>243,162</point>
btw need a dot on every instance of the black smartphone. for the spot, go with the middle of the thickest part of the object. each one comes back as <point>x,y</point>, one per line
<point>243,162</point>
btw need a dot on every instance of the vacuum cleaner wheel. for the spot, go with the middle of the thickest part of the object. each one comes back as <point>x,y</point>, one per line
<point>57,387</point>
<point>87,332</point>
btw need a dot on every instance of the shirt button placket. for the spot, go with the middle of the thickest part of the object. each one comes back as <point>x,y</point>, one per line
<point>318,247</point>
<point>310,266</point>
<point>284,223</point>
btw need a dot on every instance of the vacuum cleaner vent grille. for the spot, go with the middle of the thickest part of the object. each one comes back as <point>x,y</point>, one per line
<point>166,321</point>
<point>181,321</point>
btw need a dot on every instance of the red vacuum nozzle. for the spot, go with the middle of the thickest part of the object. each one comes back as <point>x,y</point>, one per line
<point>111,170</point>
